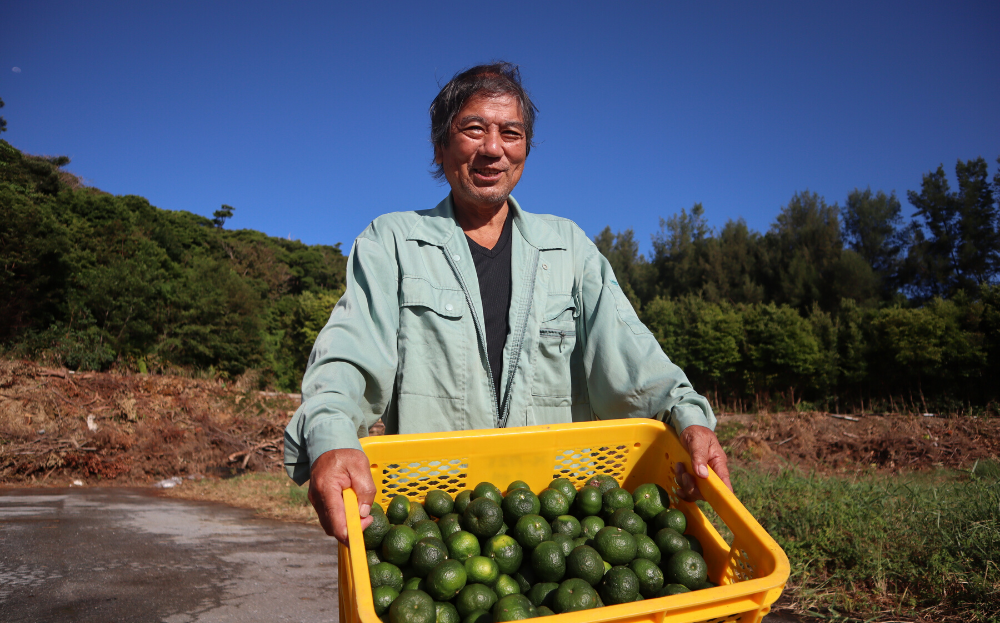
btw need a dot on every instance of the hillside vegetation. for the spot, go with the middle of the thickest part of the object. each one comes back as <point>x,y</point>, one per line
<point>839,308</point>
<point>90,280</point>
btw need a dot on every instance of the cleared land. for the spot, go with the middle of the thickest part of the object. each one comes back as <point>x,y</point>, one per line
<point>884,517</point>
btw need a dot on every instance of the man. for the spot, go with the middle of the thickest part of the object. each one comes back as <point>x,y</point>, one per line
<point>477,314</point>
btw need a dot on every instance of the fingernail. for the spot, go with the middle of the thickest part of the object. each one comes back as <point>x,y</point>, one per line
<point>364,509</point>
<point>702,471</point>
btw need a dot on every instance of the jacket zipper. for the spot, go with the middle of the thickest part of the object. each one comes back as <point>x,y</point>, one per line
<point>519,334</point>
<point>559,333</point>
<point>479,332</point>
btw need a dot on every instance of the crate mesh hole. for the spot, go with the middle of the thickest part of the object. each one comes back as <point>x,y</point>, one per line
<point>579,464</point>
<point>416,478</point>
<point>740,569</point>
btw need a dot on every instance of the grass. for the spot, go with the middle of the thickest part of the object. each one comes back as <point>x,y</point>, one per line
<point>271,495</point>
<point>883,547</point>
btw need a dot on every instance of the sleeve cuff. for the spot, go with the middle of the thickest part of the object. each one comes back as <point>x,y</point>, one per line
<point>682,416</point>
<point>325,435</point>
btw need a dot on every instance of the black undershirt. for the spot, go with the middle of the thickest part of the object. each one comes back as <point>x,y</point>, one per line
<point>493,270</point>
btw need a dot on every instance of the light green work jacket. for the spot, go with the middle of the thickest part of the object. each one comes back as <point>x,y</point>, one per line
<point>406,342</point>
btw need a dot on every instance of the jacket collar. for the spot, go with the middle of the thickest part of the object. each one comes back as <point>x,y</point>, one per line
<point>438,225</point>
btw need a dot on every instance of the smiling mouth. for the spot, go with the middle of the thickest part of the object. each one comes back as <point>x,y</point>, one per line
<point>488,174</point>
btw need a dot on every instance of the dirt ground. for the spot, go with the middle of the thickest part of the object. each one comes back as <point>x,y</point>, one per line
<point>110,429</point>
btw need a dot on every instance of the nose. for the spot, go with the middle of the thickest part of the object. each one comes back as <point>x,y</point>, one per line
<point>492,143</point>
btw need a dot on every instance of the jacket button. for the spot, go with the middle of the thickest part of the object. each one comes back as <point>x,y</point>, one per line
<point>449,306</point>
<point>456,257</point>
<point>545,266</point>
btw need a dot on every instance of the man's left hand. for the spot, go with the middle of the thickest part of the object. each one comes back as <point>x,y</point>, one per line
<point>706,451</point>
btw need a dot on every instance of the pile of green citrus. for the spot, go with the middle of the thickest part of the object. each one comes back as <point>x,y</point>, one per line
<point>486,557</point>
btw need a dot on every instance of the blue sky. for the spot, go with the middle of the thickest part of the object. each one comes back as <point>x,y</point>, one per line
<point>311,118</point>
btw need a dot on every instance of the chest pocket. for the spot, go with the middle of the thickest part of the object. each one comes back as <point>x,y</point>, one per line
<point>553,384</point>
<point>431,342</point>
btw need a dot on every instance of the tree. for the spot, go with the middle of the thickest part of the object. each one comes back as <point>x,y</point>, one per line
<point>957,245</point>
<point>220,216</point>
<point>3,122</point>
<point>873,227</point>
<point>803,246</point>
<point>631,268</point>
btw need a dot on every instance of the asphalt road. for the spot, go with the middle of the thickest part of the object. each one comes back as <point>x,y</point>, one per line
<point>106,555</point>
<point>103,555</point>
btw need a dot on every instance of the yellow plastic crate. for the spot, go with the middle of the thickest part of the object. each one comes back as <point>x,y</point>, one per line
<point>751,573</point>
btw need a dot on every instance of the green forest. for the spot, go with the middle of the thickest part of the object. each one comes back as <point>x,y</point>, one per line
<point>849,308</point>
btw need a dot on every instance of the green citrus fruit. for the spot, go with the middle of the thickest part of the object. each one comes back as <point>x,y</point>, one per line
<point>438,503</point>
<point>376,531</point>
<point>545,611</point>
<point>627,520</point>
<point>446,580</point>
<point>650,500</point>
<point>446,612</point>
<point>588,501</point>
<point>670,542</point>
<point>650,576</point>
<point>513,608</point>
<point>488,490</point>
<point>672,589</point>
<point>671,518</point>
<point>568,525</point>
<point>373,557</point>
<point>399,509</point>
<point>398,544</point>
<point>475,597</point>
<point>478,616</point>
<point>530,530</point>
<point>386,574</point>
<point>383,596</point>
<point>427,553</point>
<point>553,504</point>
<point>686,567</point>
<point>519,503</point>
<point>412,607</point>
<point>417,514</point>
<point>616,546</point>
<point>482,517</point>
<point>646,548</point>
<point>506,585</point>
<point>602,482</point>
<point>517,484</point>
<point>619,586</point>
<point>585,563</point>
<point>427,528</point>
<point>462,500</point>
<point>591,525</point>
<point>564,486</point>
<point>506,551</point>
<point>543,594</point>
<point>548,561</point>
<point>482,570</point>
<point>415,583</point>
<point>573,595</point>
<point>449,524</point>
<point>614,499</point>
<point>695,544</point>
<point>462,545</point>
<point>525,577</point>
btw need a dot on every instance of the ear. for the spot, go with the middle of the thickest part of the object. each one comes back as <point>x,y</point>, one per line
<point>438,158</point>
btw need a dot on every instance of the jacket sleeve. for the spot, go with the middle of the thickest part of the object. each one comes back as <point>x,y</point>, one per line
<point>628,374</point>
<point>349,379</point>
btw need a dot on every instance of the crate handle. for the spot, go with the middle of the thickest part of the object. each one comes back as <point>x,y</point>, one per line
<point>359,560</point>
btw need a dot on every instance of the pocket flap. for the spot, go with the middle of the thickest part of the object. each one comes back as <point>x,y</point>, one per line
<point>419,293</point>
<point>557,305</point>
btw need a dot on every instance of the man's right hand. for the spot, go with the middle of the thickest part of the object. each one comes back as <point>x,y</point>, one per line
<point>331,473</point>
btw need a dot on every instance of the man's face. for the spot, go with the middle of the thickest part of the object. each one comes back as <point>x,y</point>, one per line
<point>486,149</point>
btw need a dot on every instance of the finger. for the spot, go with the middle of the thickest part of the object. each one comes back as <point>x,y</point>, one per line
<point>699,456</point>
<point>322,513</point>
<point>688,489</point>
<point>335,508</point>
